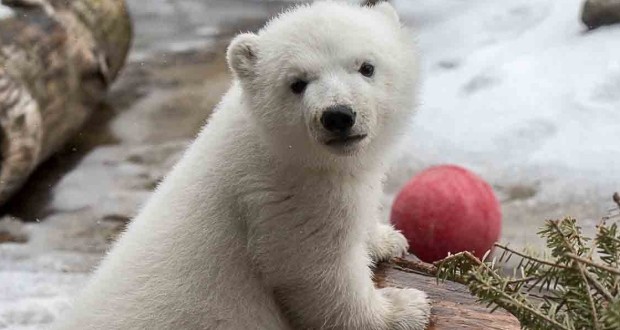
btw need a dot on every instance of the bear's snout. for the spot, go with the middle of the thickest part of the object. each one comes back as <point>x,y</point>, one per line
<point>338,119</point>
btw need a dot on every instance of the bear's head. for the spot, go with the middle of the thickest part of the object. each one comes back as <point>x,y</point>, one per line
<point>329,82</point>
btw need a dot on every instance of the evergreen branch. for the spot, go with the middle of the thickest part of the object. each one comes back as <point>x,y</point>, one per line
<point>599,287</point>
<point>612,270</point>
<point>528,257</point>
<point>488,292</point>
<point>523,280</point>
<point>585,293</point>
<point>568,246</point>
<point>416,266</point>
<point>514,305</point>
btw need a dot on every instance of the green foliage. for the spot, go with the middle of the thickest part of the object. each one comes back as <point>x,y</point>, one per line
<point>576,287</point>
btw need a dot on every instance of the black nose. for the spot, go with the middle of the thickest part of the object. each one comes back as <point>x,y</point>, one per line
<point>338,118</point>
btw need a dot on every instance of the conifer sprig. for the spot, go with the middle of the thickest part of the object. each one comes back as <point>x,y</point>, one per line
<point>576,286</point>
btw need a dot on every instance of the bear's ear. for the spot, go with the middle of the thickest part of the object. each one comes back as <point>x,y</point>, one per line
<point>242,54</point>
<point>387,9</point>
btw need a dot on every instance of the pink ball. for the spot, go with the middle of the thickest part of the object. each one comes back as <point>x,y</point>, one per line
<point>447,209</point>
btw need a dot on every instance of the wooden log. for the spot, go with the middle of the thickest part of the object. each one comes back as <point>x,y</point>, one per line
<point>57,59</point>
<point>453,307</point>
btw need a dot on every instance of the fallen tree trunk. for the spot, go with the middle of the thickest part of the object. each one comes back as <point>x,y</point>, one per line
<point>57,59</point>
<point>453,307</point>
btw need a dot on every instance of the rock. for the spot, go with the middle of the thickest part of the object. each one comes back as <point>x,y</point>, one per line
<point>597,13</point>
<point>57,60</point>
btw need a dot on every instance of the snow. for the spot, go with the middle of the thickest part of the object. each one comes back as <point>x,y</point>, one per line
<point>34,287</point>
<point>5,12</point>
<point>39,278</point>
<point>517,89</point>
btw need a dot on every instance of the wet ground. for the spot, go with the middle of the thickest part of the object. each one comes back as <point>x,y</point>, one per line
<point>173,26</point>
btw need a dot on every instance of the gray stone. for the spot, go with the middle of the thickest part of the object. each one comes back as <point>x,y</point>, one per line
<point>597,13</point>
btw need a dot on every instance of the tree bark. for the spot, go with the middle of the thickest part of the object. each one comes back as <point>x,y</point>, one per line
<point>57,59</point>
<point>453,307</point>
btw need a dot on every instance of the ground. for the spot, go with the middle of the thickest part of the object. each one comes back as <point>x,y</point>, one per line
<point>515,90</point>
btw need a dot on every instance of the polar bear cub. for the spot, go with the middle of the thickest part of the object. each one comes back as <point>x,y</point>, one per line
<point>270,219</point>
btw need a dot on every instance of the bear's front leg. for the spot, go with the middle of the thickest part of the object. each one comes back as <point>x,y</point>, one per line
<point>408,308</point>
<point>385,242</point>
<point>342,296</point>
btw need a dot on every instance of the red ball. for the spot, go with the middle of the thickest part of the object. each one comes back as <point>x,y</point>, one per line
<point>447,209</point>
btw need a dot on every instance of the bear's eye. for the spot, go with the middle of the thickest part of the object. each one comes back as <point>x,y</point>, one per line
<point>367,69</point>
<point>299,86</point>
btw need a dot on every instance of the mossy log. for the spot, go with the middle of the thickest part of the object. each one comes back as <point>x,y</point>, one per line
<point>453,308</point>
<point>57,59</point>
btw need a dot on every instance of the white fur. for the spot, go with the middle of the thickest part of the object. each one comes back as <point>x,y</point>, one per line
<point>261,225</point>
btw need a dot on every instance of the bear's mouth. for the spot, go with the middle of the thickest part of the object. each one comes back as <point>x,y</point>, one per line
<point>345,140</point>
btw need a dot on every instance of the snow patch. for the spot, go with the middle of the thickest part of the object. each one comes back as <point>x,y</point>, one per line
<point>517,88</point>
<point>5,12</point>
